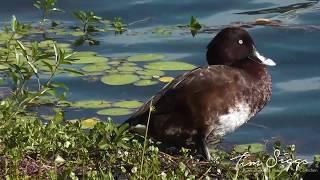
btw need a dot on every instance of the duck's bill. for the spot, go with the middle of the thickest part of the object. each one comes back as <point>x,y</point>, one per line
<point>257,57</point>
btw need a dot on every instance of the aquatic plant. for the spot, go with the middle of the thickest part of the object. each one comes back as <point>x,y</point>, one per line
<point>118,26</point>
<point>88,20</point>
<point>194,26</point>
<point>46,6</point>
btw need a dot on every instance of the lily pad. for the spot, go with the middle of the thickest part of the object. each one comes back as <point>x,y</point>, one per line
<point>129,64</point>
<point>85,54</point>
<point>145,82</point>
<point>92,104</point>
<point>90,60</point>
<point>125,72</point>
<point>3,67</point>
<point>166,79</point>
<point>151,72</point>
<point>96,67</point>
<point>145,77</point>
<point>162,31</point>
<point>170,65</point>
<point>114,112</point>
<point>145,57</point>
<point>128,68</point>
<point>112,71</point>
<point>127,104</point>
<point>114,63</point>
<point>77,33</point>
<point>119,79</point>
<point>253,148</point>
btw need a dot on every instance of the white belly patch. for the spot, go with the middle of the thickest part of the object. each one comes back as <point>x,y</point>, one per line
<point>235,117</point>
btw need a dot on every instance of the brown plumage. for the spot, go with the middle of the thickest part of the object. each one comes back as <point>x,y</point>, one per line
<point>204,103</point>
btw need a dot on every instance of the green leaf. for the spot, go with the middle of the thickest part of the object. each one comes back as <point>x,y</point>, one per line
<point>14,23</point>
<point>89,123</point>
<point>170,65</point>
<point>166,79</point>
<point>145,82</point>
<point>253,148</point>
<point>91,60</point>
<point>58,117</point>
<point>94,104</point>
<point>114,112</point>
<point>194,26</point>
<point>59,160</point>
<point>145,57</point>
<point>127,104</point>
<point>128,68</point>
<point>119,79</point>
<point>150,72</point>
<point>73,71</point>
<point>96,67</point>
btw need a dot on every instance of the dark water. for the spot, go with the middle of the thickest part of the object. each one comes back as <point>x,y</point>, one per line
<point>294,112</point>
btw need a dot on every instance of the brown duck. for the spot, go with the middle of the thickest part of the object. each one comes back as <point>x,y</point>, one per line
<point>208,102</point>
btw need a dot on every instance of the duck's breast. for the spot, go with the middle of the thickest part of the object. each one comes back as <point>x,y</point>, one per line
<point>236,116</point>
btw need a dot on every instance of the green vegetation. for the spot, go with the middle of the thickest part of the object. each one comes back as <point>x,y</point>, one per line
<point>87,19</point>
<point>49,146</point>
<point>46,6</point>
<point>194,26</point>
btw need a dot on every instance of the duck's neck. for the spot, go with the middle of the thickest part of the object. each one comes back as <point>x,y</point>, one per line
<point>254,69</point>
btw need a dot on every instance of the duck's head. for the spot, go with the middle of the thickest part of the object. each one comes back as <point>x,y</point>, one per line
<point>234,46</point>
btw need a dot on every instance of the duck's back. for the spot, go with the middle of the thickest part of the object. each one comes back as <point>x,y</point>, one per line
<point>213,100</point>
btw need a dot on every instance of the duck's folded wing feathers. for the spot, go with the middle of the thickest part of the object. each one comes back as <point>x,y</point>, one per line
<point>191,82</point>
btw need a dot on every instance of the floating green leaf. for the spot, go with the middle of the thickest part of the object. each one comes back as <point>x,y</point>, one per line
<point>127,104</point>
<point>170,65</point>
<point>145,82</point>
<point>115,112</point>
<point>96,67</point>
<point>253,148</point>
<point>93,104</point>
<point>85,54</point>
<point>150,72</point>
<point>91,59</point>
<point>119,79</point>
<point>77,33</point>
<point>129,68</point>
<point>129,64</point>
<point>112,71</point>
<point>162,31</point>
<point>145,77</point>
<point>166,79</point>
<point>114,63</point>
<point>145,57</point>
<point>3,67</point>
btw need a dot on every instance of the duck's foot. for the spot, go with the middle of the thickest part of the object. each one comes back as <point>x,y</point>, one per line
<point>203,149</point>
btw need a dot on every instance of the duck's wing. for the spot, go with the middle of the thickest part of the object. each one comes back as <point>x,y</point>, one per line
<point>173,95</point>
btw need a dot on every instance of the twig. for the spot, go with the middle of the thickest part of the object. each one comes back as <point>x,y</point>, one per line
<point>139,21</point>
<point>145,136</point>
<point>205,173</point>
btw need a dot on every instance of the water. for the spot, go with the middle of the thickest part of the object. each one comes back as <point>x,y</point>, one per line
<point>293,114</point>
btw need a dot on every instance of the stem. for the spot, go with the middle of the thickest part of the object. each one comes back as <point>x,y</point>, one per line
<point>85,27</point>
<point>145,136</point>
<point>8,45</point>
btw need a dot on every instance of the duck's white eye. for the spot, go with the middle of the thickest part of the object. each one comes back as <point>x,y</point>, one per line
<point>240,41</point>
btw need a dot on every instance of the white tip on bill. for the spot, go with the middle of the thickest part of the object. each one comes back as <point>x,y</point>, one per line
<point>265,61</point>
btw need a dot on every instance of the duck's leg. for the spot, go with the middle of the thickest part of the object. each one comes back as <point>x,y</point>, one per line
<point>203,148</point>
